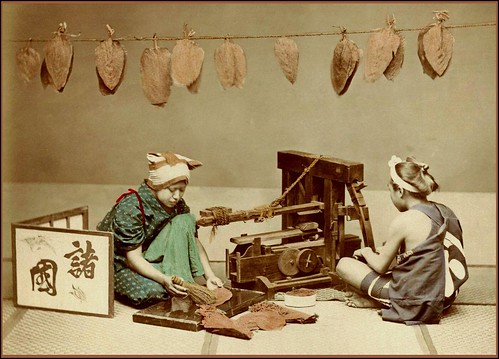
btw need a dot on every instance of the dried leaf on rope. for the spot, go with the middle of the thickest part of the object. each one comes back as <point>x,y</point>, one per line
<point>395,65</point>
<point>230,62</point>
<point>194,87</point>
<point>45,76</point>
<point>435,46</point>
<point>28,62</point>
<point>155,72</point>
<point>287,55</point>
<point>382,46</point>
<point>427,69</point>
<point>58,60</point>
<point>110,62</point>
<point>438,46</point>
<point>240,65</point>
<point>187,61</point>
<point>346,58</point>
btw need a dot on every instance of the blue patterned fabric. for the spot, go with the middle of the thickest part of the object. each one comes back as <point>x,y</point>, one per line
<point>417,289</point>
<point>175,234</point>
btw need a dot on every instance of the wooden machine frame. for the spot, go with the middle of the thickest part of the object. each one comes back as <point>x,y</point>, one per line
<point>312,236</point>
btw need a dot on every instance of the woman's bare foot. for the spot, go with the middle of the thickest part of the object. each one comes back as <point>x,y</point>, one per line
<point>355,300</point>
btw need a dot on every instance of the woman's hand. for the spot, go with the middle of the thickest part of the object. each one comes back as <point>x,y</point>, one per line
<point>213,283</point>
<point>173,288</point>
<point>361,252</point>
<point>357,253</point>
<point>365,251</point>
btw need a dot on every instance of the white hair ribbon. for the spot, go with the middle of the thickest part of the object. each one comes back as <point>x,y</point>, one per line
<point>395,177</point>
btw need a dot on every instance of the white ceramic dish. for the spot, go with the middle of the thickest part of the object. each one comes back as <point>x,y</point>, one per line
<point>299,301</point>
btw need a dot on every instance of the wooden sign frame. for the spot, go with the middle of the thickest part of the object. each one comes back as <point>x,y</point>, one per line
<point>58,264</point>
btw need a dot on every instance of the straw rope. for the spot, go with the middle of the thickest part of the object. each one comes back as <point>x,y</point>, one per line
<point>228,36</point>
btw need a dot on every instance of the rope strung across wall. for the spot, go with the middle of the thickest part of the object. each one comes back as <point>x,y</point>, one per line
<point>76,37</point>
<point>160,68</point>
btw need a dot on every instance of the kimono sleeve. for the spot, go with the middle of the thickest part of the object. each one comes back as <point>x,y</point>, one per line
<point>127,225</point>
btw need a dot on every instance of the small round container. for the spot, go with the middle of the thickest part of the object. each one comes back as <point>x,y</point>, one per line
<point>299,301</point>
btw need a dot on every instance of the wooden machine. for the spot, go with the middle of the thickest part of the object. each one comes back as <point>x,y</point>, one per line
<point>312,238</point>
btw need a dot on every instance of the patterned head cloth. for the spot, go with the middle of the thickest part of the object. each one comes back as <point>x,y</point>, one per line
<point>168,168</point>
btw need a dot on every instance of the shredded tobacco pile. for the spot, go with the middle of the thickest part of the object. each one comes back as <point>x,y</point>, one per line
<point>301,292</point>
<point>264,315</point>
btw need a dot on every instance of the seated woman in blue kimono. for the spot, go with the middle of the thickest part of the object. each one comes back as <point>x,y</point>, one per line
<point>155,235</point>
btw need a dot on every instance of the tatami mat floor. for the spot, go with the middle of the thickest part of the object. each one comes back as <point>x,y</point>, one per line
<point>469,329</point>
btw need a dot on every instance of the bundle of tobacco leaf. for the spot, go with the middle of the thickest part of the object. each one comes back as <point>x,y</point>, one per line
<point>28,63</point>
<point>216,321</point>
<point>290,315</point>
<point>223,295</point>
<point>395,65</point>
<point>287,55</point>
<point>384,54</point>
<point>187,62</point>
<point>346,58</point>
<point>110,62</point>
<point>435,45</point>
<point>230,62</point>
<point>263,315</point>
<point>155,72</point>
<point>58,61</point>
<point>194,87</point>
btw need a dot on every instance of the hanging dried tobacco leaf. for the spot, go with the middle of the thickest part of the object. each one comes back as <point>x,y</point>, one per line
<point>344,64</point>
<point>224,63</point>
<point>395,65</point>
<point>230,62</point>
<point>28,63</point>
<point>104,90</point>
<point>427,68</point>
<point>287,55</point>
<point>187,60</point>
<point>155,72</point>
<point>240,65</point>
<point>45,76</point>
<point>382,46</point>
<point>110,60</point>
<point>438,43</point>
<point>194,87</point>
<point>58,60</point>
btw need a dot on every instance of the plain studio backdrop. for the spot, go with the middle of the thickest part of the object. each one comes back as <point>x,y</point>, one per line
<point>81,136</point>
<point>79,147</point>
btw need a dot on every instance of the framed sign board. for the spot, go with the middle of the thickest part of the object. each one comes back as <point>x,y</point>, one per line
<point>58,264</point>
